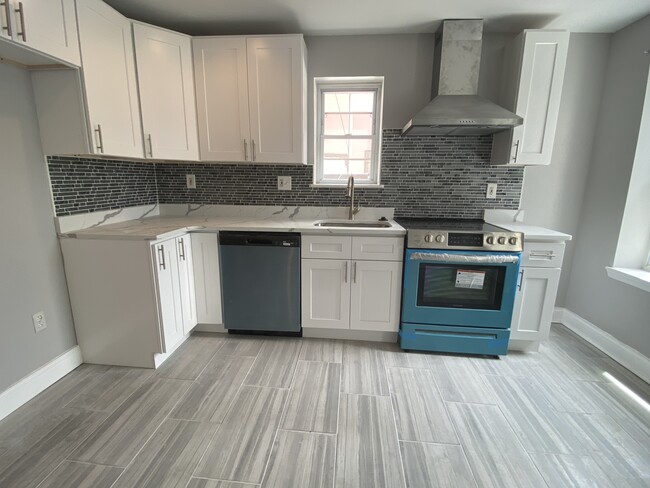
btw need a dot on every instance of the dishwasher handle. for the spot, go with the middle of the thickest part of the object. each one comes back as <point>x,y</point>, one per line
<point>260,239</point>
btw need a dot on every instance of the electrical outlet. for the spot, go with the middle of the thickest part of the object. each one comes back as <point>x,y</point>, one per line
<point>491,190</point>
<point>39,321</point>
<point>284,182</point>
<point>191,181</point>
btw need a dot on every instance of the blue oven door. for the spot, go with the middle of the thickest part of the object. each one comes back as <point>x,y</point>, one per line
<point>459,288</point>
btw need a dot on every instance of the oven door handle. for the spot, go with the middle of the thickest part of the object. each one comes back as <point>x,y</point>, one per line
<point>447,258</point>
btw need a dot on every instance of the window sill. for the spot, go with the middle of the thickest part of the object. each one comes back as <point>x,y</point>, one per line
<point>638,278</point>
<point>344,185</point>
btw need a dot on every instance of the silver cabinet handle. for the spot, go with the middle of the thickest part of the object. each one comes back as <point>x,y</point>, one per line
<point>521,279</point>
<point>253,148</point>
<point>7,7</point>
<point>541,255</point>
<point>181,245</point>
<point>21,11</point>
<point>345,273</point>
<point>516,151</point>
<point>150,145</point>
<point>245,150</point>
<point>354,272</point>
<point>100,138</point>
<point>161,252</point>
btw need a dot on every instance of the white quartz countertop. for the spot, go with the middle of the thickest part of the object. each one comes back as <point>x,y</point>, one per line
<point>155,228</point>
<point>533,232</point>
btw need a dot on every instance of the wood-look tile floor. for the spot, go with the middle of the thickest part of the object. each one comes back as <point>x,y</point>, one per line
<point>238,412</point>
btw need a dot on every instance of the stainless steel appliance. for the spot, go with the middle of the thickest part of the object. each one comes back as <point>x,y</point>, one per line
<point>260,275</point>
<point>460,280</point>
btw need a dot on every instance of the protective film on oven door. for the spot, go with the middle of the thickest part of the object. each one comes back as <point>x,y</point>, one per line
<point>459,288</point>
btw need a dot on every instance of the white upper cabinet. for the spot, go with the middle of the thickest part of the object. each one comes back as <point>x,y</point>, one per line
<point>109,80</point>
<point>44,26</point>
<point>532,87</point>
<point>251,98</point>
<point>166,87</point>
<point>222,98</point>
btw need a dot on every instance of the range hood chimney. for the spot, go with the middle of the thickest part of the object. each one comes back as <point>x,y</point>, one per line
<point>456,109</point>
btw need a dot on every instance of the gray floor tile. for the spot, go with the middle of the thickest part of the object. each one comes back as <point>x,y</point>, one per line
<point>206,483</point>
<point>321,350</point>
<point>210,396</point>
<point>81,475</point>
<point>398,358</point>
<point>420,413</point>
<point>438,465</point>
<point>242,445</point>
<point>573,365</point>
<point>301,459</point>
<point>170,457</point>
<point>568,471</point>
<point>367,445</point>
<point>364,369</point>
<point>314,398</point>
<point>495,455</point>
<point>126,430</point>
<point>241,346</point>
<point>191,358</point>
<point>516,364</point>
<point>111,389</point>
<point>539,428</point>
<point>27,466</point>
<point>275,364</point>
<point>459,380</point>
<point>611,369</point>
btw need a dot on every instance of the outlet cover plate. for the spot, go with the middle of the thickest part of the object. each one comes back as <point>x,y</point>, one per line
<point>190,180</point>
<point>39,321</point>
<point>491,192</point>
<point>284,182</point>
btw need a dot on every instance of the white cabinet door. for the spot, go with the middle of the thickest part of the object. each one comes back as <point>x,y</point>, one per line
<point>166,87</point>
<point>538,68</point>
<point>222,98</point>
<point>48,26</point>
<point>276,91</point>
<point>534,303</point>
<point>169,294</point>
<point>325,293</point>
<point>207,282</point>
<point>186,282</point>
<point>109,80</point>
<point>7,27</point>
<point>375,295</point>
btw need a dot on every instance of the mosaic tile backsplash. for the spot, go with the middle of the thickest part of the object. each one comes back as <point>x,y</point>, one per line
<point>433,176</point>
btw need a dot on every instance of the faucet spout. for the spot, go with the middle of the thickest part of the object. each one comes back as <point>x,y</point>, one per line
<point>350,194</point>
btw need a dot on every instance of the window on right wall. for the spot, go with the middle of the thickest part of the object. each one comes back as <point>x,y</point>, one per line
<point>348,130</point>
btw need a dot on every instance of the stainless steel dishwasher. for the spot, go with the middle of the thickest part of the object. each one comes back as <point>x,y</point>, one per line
<point>260,278</point>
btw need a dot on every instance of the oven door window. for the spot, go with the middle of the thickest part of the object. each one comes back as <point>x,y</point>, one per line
<point>460,286</point>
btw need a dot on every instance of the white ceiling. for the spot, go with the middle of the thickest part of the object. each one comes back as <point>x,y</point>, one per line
<point>328,17</point>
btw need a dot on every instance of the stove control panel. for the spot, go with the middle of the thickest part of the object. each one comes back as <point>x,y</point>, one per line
<point>473,241</point>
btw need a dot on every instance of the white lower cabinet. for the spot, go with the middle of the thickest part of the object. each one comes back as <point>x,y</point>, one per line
<point>207,282</point>
<point>349,293</point>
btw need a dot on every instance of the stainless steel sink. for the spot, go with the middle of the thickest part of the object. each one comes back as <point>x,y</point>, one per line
<point>377,224</point>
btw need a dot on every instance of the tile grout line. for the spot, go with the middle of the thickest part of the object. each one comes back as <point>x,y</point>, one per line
<point>392,409</point>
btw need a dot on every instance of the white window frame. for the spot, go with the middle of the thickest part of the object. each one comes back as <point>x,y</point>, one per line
<point>360,83</point>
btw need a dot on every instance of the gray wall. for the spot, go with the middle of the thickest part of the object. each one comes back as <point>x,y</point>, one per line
<point>31,268</point>
<point>617,308</point>
<point>552,195</point>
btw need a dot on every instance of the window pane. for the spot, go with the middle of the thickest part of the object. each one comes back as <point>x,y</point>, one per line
<point>361,124</point>
<point>335,149</point>
<point>336,124</point>
<point>362,101</point>
<point>335,169</point>
<point>336,101</point>
<point>360,148</point>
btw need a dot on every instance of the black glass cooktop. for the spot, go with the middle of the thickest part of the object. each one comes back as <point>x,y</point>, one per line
<point>412,223</point>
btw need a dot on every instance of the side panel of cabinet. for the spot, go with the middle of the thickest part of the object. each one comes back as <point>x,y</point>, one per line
<point>276,85</point>
<point>222,98</point>
<point>325,293</point>
<point>375,297</point>
<point>109,80</point>
<point>166,87</point>
<point>186,281</point>
<point>51,28</point>
<point>169,294</point>
<point>534,304</point>
<point>207,282</point>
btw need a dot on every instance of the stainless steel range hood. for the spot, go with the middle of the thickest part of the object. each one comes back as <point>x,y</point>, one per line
<point>456,109</point>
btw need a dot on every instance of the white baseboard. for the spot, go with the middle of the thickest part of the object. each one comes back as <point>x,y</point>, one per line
<point>31,385</point>
<point>610,345</point>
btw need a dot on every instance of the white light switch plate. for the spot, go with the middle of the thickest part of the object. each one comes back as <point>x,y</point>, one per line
<point>284,182</point>
<point>39,321</point>
<point>491,190</point>
<point>191,181</point>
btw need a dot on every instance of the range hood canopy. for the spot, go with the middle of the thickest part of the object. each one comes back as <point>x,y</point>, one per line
<point>456,109</point>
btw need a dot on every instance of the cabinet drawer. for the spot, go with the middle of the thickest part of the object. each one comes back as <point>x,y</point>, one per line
<point>378,248</point>
<point>543,254</point>
<point>326,247</point>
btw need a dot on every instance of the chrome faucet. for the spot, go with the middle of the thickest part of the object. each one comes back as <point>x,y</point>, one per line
<point>353,211</point>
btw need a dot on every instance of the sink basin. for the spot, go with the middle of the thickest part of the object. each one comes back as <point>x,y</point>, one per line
<point>370,224</point>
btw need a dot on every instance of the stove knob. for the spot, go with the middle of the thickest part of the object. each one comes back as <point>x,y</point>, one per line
<point>490,240</point>
<point>428,238</point>
<point>512,241</point>
<point>440,238</point>
<point>501,240</point>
